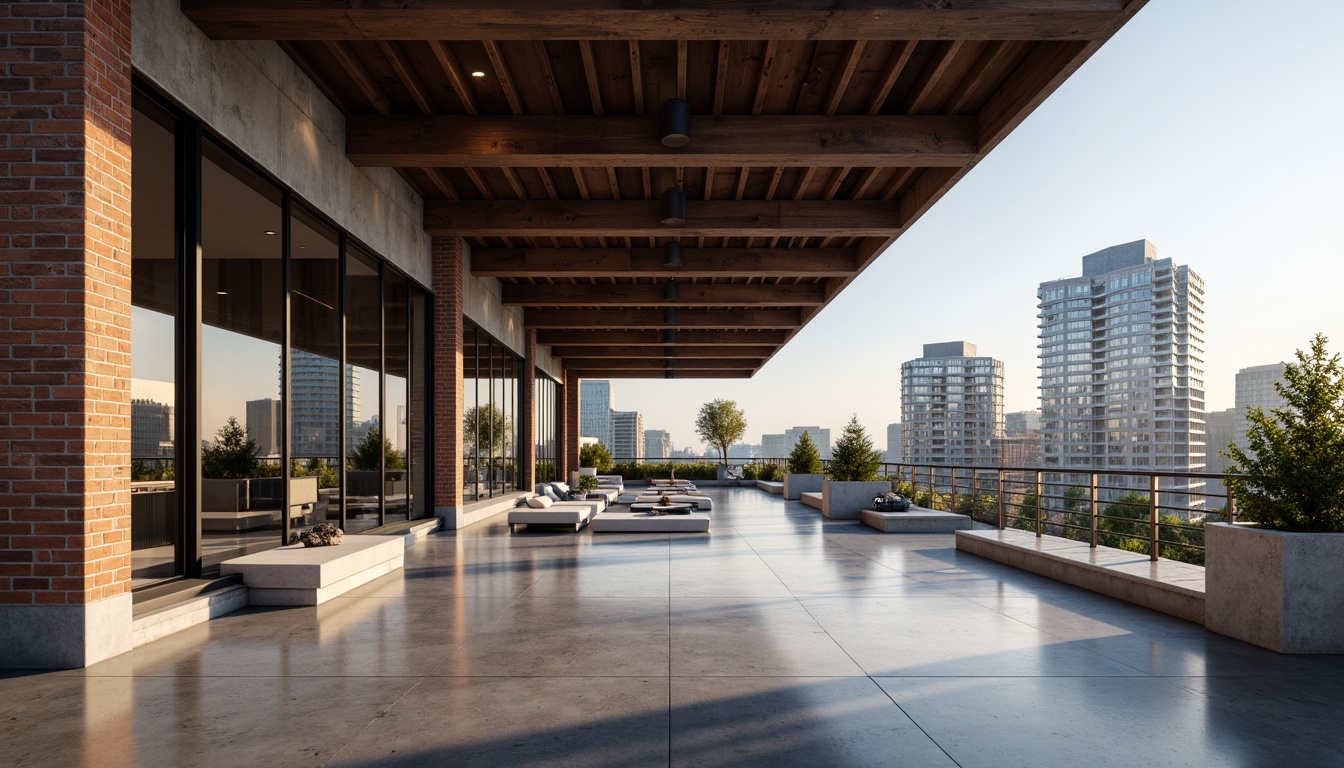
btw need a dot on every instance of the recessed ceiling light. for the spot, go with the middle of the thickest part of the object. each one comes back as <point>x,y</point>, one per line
<point>478,73</point>
<point>221,293</point>
<point>270,232</point>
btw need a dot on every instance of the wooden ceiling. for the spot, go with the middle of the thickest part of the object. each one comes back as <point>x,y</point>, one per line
<point>820,132</point>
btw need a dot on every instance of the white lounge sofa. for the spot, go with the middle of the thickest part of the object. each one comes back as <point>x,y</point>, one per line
<point>575,513</point>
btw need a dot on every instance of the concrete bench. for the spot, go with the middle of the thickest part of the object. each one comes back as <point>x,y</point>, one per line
<point>638,522</point>
<point>770,487</point>
<point>810,499</point>
<point>1168,586</point>
<point>299,575</point>
<point>916,520</point>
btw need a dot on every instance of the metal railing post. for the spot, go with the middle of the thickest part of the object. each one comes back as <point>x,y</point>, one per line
<point>975,491</point>
<point>933,490</point>
<point>952,493</point>
<point>1152,517</point>
<point>1040,503</point>
<point>1231,508</point>
<point>1002,513</point>
<point>1095,499</point>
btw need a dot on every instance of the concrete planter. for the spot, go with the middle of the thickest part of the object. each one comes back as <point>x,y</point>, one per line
<point>1278,590</point>
<point>844,500</point>
<point>796,485</point>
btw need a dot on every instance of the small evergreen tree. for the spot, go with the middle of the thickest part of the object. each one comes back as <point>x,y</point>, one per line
<point>597,456</point>
<point>805,459</point>
<point>854,457</point>
<point>370,451</point>
<point>232,455</point>
<point>1292,478</point>
<point>721,423</point>
<point>1026,513</point>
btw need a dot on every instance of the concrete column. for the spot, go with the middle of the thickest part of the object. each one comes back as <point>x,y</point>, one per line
<point>65,333</point>
<point>571,444</point>
<point>448,256</point>
<point>562,428</point>
<point>527,434</point>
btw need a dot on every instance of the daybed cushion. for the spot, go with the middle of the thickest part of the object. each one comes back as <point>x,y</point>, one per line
<point>550,493</point>
<point>552,516</point>
<point>539,502</point>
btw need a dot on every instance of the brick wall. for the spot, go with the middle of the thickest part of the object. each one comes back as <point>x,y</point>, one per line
<point>527,439</point>
<point>447,361</point>
<point>65,239</point>
<point>570,448</point>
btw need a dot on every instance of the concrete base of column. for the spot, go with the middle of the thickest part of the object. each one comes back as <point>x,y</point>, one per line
<point>64,636</point>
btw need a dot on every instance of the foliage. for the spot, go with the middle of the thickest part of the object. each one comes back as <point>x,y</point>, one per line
<point>150,470</point>
<point>327,475</point>
<point>721,424</point>
<point>760,471</point>
<point>586,483</point>
<point>1292,476</point>
<point>545,471</point>
<point>700,470</point>
<point>854,457</point>
<point>805,458</point>
<point>231,455</point>
<point>597,456</point>
<point>369,453</point>
<point>982,506</point>
<point>486,427</point>
<point>1022,515</point>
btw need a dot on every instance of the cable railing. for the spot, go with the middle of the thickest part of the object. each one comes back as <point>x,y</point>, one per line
<point>1158,513</point>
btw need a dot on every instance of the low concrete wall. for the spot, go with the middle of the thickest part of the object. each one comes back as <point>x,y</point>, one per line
<point>1167,586</point>
<point>795,485</point>
<point>811,499</point>
<point>1276,589</point>
<point>845,499</point>
<point>770,487</point>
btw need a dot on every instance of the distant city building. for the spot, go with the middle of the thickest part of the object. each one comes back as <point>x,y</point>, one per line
<point>595,410</point>
<point>400,442</point>
<point>657,444</point>
<point>1255,389</point>
<point>1122,358</point>
<point>775,446</point>
<point>1020,423</point>
<point>895,453</point>
<point>1219,430</point>
<point>743,451</point>
<point>952,406</point>
<point>262,416</point>
<point>315,408</point>
<point>151,430</point>
<point>821,437</point>
<point>627,442</point>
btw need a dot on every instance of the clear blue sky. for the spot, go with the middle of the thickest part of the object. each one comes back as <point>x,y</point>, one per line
<point>1213,128</point>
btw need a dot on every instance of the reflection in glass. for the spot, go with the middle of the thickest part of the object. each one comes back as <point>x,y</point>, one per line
<point>315,370</point>
<point>365,441</point>
<point>396,337</point>
<point>241,409</point>
<point>415,411</point>
<point>154,506</point>
<point>544,419</point>
<point>490,393</point>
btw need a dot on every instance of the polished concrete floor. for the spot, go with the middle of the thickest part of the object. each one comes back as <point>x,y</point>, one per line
<point>777,640</point>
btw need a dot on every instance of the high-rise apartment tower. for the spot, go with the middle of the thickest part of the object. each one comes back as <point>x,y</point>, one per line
<point>951,406</point>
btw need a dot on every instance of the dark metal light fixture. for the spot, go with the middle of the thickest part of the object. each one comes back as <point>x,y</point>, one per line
<point>670,291</point>
<point>670,316</point>
<point>669,336</point>
<point>672,254</point>
<point>674,207</point>
<point>676,114</point>
<point>670,369</point>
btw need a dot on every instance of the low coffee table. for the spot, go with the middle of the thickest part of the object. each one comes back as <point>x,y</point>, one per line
<point>654,509</point>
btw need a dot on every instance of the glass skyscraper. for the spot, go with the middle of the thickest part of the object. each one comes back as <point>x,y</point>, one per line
<point>595,411</point>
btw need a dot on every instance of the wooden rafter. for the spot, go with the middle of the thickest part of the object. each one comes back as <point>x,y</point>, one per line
<point>679,337</point>
<point>648,262</point>
<point>725,319</point>
<point>652,352</point>
<point>655,295</point>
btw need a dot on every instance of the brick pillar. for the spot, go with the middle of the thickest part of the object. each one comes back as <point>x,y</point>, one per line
<point>527,449</point>
<point>561,430</point>
<point>65,332</point>
<point>447,361</point>
<point>571,445</point>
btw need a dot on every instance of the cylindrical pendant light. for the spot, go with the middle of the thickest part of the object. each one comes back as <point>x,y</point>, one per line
<point>674,207</point>
<point>676,115</point>
<point>672,254</point>
<point>670,369</point>
<point>670,291</point>
<point>670,316</point>
<point>669,336</point>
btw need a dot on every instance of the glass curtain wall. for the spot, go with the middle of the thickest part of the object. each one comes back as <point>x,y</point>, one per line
<point>307,345</point>
<point>490,400</point>
<point>544,418</point>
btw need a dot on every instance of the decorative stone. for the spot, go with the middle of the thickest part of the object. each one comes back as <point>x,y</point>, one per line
<point>321,535</point>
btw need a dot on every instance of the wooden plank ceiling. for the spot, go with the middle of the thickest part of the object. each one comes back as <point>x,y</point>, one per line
<point>820,131</point>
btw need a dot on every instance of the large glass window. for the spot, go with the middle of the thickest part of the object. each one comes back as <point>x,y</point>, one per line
<point>544,419</point>
<point>396,343</point>
<point>490,395</point>
<point>365,440</point>
<point>155,529</point>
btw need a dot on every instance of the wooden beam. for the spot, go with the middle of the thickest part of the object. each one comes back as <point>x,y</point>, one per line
<point>660,365</point>
<point>681,339</point>
<point>585,141</point>
<point>642,218</point>
<point>571,354</point>
<point>648,262</point>
<point>675,20</point>
<point>727,319</point>
<point>654,295</point>
<point>599,373</point>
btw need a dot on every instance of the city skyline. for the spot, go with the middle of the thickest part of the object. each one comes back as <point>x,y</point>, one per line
<point>1140,143</point>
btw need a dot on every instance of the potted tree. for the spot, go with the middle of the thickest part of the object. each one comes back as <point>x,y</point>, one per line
<point>853,474</point>
<point>721,424</point>
<point>1272,579</point>
<point>586,484</point>
<point>804,473</point>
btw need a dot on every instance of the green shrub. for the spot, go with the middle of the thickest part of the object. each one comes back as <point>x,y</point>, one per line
<point>805,458</point>
<point>700,470</point>
<point>597,456</point>
<point>769,473</point>
<point>854,457</point>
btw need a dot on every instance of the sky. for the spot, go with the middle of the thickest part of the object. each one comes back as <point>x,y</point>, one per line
<point>1212,128</point>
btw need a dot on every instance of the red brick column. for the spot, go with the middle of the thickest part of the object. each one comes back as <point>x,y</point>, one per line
<point>561,430</point>
<point>570,447</point>
<point>65,332</point>
<point>527,435</point>
<point>447,361</point>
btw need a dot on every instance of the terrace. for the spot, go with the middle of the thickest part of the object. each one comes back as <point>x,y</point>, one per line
<point>781,638</point>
